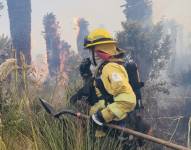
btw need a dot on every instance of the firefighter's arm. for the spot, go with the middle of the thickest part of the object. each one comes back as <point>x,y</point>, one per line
<point>118,109</point>
<point>97,106</point>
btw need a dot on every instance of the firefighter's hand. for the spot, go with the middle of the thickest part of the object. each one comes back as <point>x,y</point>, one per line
<point>97,119</point>
<point>85,68</point>
<point>97,124</point>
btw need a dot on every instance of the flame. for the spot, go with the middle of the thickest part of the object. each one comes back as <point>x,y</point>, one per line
<point>76,21</point>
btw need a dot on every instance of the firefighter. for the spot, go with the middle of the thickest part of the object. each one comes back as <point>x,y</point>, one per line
<point>114,94</point>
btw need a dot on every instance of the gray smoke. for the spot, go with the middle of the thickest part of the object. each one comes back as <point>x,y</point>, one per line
<point>177,25</point>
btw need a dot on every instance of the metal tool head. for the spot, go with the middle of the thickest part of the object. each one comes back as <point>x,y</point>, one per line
<point>64,111</point>
<point>51,110</point>
<point>47,106</point>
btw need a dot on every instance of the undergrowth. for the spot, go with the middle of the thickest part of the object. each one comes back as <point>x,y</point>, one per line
<point>24,125</point>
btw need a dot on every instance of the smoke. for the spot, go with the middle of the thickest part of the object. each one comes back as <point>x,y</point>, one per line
<point>176,14</point>
<point>76,24</point>
<point>183,50</point>
<point>180,13</point>
<point>178,10</point>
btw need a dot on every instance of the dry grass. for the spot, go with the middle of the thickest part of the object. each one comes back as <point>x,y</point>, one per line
<point>26,126</point>
<point>6,68</point>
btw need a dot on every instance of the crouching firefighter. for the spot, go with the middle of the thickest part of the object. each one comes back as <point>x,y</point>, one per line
<point>110,95</point>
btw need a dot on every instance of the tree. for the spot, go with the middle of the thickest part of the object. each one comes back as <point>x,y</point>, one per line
<point>5,42</point>
<point>57,49</point>
<point>82,29</point>
<point>53,43</point>
<point>149,48</point>
<point>20,27</point>
<point>64,56</point>
<point>138,10</point>
<point>5,48</point>
<point>1,6</point>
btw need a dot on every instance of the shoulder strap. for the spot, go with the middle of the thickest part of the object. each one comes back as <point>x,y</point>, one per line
<point>99,84</point>
<point>100,68</point>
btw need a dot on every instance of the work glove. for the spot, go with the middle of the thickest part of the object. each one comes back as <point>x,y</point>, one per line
<point>85,68</point>
<point>97,123</point>
<point>97,119</point>
<point>97,107</point>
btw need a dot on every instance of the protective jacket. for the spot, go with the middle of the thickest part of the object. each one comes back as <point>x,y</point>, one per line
<point>116,82</point>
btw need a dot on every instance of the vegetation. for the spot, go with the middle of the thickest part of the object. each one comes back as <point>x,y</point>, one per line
<point>1,6</point>
<point>147,47</point>
<point>58,50</point>
<point>20,28</point>
<point>52,38</point>
<point>145,42</point>
<point>5,48</point>
<point>82,29</point>
<point>150,47</point>
<point>24,125</point>
<point>138,10</point>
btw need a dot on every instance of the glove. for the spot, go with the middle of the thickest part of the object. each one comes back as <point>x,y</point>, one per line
<point>97,124</point>
<point>97,119</point>
<point>85,68</point>
<point>97,106</point>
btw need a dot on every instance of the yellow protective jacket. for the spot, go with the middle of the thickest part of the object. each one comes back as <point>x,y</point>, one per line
<point>116,82</point>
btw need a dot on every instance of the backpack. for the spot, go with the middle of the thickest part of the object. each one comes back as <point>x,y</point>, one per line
<point>133,74</point>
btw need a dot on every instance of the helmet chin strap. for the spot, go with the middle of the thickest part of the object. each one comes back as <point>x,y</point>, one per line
<point>93,58</point>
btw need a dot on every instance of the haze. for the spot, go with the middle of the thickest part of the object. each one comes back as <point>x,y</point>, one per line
<point>104,13</point>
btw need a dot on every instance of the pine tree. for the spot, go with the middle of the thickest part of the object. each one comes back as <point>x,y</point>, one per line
<point>64,56</point>
<point>145,41</point>
<point>138,10</point>
<point>5,48</point>
<point>20,27</point>
<point>57,49</point>
<point>83,31</point>
<point>52,38</point>
<point>1,5</point>
<point>149,48</point>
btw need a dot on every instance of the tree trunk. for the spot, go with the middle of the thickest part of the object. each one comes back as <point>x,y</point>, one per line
<point>20,28</point>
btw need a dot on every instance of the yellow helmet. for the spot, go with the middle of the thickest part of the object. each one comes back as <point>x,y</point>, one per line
<point>97,37</point>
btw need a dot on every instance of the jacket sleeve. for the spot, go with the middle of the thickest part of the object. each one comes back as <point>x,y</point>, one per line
<point>116,82</point>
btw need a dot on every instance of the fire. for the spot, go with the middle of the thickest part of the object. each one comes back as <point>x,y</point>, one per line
<point>76,21</point>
